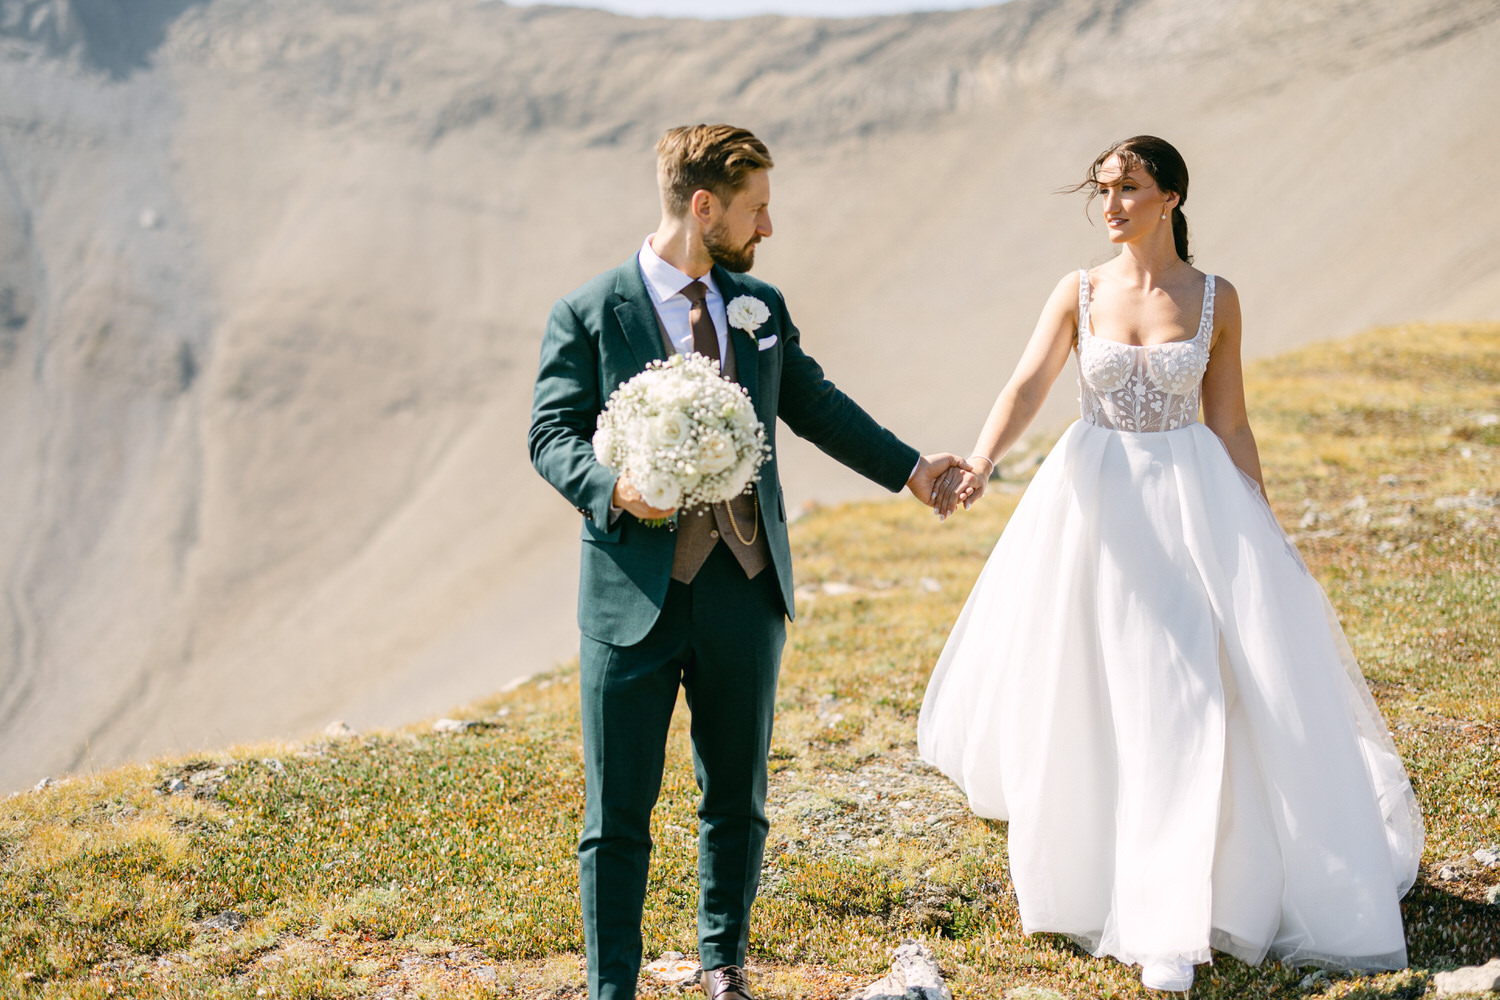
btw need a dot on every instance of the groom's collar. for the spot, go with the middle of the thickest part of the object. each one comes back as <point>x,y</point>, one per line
<point>663,280</point>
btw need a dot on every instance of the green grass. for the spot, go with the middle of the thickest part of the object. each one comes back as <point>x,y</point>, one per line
<point>423,864</point>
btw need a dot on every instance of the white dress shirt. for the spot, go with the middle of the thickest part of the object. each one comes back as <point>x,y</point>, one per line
<point>665,283</point>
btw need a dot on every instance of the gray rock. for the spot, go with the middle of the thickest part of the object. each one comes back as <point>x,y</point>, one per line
<point>1488,856</point>
<point>914,975</point>
<point>177,785</point>
<point>451,725</point>
<point>43,785</point>
<point>1470,979</point>
<point>229,920</point>
<point>1473,500</point>
<point>1492,895</point>
<point>338,728</point>
<point>674,969</point>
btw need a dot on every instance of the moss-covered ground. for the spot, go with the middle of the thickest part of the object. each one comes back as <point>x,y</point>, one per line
<point>440,864</point>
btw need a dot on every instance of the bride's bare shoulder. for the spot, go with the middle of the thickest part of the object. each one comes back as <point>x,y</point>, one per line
<point>1065,294</point>
<point>1225,294</point>
<point>1067,285</point>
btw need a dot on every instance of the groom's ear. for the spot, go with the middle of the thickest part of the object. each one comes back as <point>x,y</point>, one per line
<point>703,206</point>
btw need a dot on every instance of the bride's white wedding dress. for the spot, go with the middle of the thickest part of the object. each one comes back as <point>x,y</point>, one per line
<point>1147,683</point>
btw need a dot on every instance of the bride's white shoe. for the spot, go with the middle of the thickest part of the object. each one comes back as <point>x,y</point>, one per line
<point>1172,974</point>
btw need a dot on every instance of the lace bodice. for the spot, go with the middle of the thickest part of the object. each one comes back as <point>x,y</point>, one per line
<point>1129,388</point>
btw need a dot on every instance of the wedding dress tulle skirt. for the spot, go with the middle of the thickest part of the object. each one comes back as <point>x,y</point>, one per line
<point>1150,687</point>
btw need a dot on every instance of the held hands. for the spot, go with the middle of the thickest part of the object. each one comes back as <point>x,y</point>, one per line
<point>627,497</point>
<point>962,484</point>
<point>926,483</point>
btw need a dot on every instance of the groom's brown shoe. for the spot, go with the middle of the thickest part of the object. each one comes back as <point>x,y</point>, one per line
<point>728,983</point>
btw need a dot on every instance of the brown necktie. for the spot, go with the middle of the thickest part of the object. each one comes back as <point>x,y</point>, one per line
<point>705,337</point>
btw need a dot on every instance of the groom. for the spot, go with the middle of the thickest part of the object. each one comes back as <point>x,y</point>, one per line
<point>704,606</point>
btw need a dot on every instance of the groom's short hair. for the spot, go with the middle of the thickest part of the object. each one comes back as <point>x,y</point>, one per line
<point>714,158</point>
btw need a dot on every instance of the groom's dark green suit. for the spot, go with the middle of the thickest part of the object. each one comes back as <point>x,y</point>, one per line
<point>644,633</point>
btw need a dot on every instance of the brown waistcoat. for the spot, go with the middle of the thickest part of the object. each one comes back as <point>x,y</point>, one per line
<point>701,528</point>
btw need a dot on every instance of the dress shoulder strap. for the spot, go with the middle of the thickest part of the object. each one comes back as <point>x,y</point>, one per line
<point>1083,299</point>
<point>1206,320</point>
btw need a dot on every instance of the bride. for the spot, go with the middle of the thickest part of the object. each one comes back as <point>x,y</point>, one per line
<point>1145,681</point>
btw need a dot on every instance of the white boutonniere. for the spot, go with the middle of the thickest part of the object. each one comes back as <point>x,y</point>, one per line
<point>747,313</point>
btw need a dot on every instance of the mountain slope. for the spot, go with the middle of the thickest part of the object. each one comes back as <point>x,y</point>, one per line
<point>273,275</point>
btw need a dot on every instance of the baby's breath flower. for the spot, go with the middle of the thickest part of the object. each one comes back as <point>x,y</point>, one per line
<point>683,434</point>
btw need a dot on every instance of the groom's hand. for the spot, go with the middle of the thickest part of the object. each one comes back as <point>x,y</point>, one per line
<point>924,481</point>
<point>627,497</point>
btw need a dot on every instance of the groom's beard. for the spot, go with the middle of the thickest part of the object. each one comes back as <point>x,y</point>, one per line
<point>731,258</point>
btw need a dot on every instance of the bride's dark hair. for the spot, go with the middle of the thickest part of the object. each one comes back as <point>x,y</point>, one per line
<point>1160,159</point>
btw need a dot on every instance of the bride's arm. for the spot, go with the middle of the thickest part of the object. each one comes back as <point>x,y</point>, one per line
<point>1224,386</point>
<point>1017,405</point>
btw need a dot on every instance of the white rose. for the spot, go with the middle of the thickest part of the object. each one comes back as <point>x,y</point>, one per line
<point>747,313</point>
<point>672,429</point>
<point>660,491</point>
<point>717,453</point>
<point>740,477</point>
<point>743,413</point>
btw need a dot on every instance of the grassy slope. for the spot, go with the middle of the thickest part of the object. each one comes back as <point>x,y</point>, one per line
<point>417,863</point>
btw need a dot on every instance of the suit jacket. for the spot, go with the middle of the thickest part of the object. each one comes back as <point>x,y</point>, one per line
<point>606,332</point>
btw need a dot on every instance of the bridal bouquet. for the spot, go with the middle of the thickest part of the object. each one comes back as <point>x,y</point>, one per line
<point>682,433</point>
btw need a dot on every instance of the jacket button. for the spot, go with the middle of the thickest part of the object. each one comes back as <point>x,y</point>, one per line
<point>714,533</point>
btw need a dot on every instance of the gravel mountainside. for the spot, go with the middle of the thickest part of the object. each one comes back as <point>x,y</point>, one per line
<point>273,274</point>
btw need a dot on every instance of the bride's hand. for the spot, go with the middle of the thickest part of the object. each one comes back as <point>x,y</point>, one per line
<point>963,486</point>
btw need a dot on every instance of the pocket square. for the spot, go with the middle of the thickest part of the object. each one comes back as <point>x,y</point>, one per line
<point>767,344</point>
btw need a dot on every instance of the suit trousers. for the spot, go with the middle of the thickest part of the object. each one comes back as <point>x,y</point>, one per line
<point>719,638</point>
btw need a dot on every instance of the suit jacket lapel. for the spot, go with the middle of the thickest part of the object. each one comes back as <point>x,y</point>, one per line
<point>746,351</point>
<point>637,315</point>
